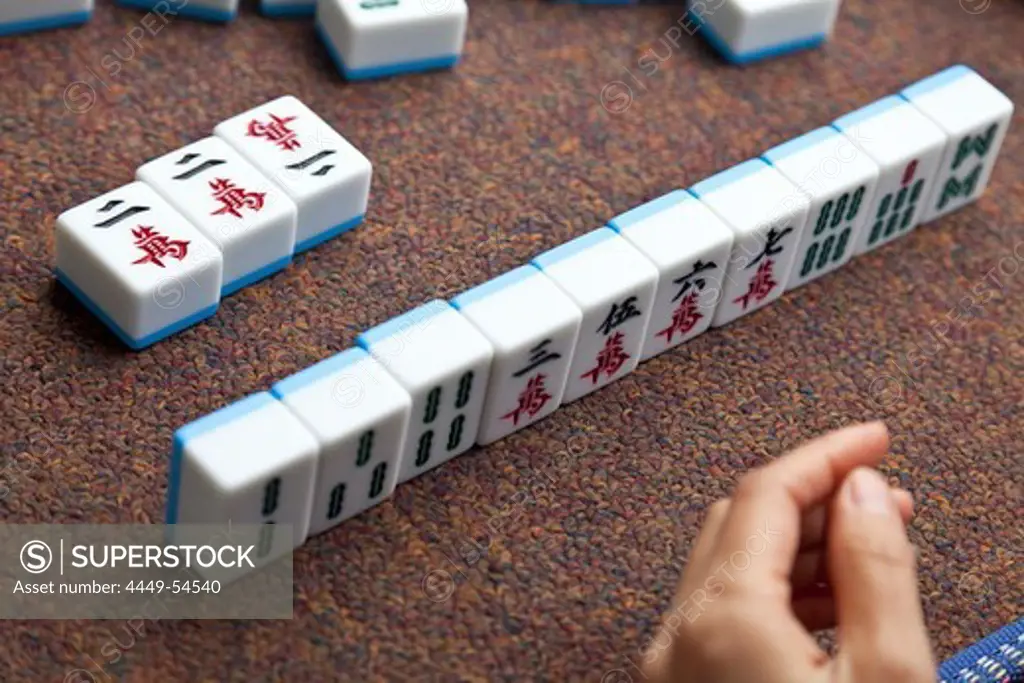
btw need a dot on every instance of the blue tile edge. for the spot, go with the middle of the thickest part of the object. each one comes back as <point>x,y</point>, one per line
<point>129,341</point>
<point>966,661</point>
<point>314,373</point>
<point>45,23</point>
<point>728,176</point>
<point>471,296</point>
<point>415,66</point>
<point>201,13</point>
<point>408,319</point>
<point>288,11</point>
<point>322,237</point>
<point>741,58</point>
<point>255,276</point>
<point>870,111</point>
<point>207,423</point>
<point>574,247</point>
<point>936,81</point>
<point>641,213</point>
<point>786,149</point>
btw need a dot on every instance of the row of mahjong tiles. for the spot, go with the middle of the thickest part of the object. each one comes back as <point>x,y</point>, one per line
<point>335,439</point>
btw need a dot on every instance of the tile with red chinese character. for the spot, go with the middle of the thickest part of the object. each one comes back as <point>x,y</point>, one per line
<point>326,177</point>
<point>138,264</point>
<point>907,147</point>
<point>444,363</point>
<point>251,219</point>
<point>533,327</point>
<point>690,247</point>
<point>767,215</point>
<point>613,284</point>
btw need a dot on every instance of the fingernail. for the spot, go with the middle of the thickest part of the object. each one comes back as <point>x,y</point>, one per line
<point>870,492</point>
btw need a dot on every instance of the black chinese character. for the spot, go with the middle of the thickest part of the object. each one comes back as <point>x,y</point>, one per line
<point>771,245</point>
<point>698,284</point>
<point>619,314</point>
<point>114,220</point>
<point>538,356</point>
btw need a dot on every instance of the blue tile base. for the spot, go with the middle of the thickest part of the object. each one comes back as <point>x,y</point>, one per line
<point>311,242</point>
<point>44,23</point>
<point>128,340</point>
<point>384,70</point>
<point>723,48</point>
<point>288,11</point>
<point>189,11</point>
<point>255,276</point>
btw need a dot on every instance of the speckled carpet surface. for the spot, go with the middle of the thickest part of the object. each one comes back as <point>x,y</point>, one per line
<point>551,554</point>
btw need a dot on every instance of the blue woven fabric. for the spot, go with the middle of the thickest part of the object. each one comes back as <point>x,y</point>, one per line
<point>999,658</point>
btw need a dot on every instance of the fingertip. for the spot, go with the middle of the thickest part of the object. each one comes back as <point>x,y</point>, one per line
<point>905,503</point>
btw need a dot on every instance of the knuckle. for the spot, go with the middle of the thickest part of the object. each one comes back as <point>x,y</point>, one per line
<point>888,550</point>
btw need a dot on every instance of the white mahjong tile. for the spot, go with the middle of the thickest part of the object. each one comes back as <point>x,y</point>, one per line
<point>444,363</point>
<point>690,247</point>
<point>767,215</point>
<point>975,116</point>
<point>533,327</point>
<point>907,148</point>
<point>613,284</point>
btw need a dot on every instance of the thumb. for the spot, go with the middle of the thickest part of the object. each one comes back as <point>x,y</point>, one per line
<point>882,636</point>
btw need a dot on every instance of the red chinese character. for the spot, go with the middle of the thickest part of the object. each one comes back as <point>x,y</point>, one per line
<point>609,359</point>
<point>157,246</point>
<point>531,400</point>
<point>277,131</point>
<point>761,284</point>
<point>684,318</point>
<point>234,198</point>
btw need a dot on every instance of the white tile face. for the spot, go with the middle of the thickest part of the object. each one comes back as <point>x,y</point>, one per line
<point>533,327</point>
<point>767,215</point>
<point>750,27</point>
<point>444,363</point>
<point>324,175</point>
<point>138,264</point>
<point>250,219</point>
<point>359,415</point>
<point>613,284</point>
<point>17,16</point>
<point>252,462</point>
<point>690,247</point>
<point>906,146</point>
<point>380,37</point>
<point>840,182</point>
<point>975,116</point>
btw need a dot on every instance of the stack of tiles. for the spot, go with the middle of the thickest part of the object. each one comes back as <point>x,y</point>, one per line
<point>206,220</point>
<point>335,439</point>
<point>745,31</point>
<point>375,38</point>
<point>38,15</point>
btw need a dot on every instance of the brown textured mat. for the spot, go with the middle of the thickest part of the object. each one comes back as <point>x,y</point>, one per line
<point>475,172</point>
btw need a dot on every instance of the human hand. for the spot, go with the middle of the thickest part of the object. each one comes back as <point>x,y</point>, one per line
<point>813,540</point>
